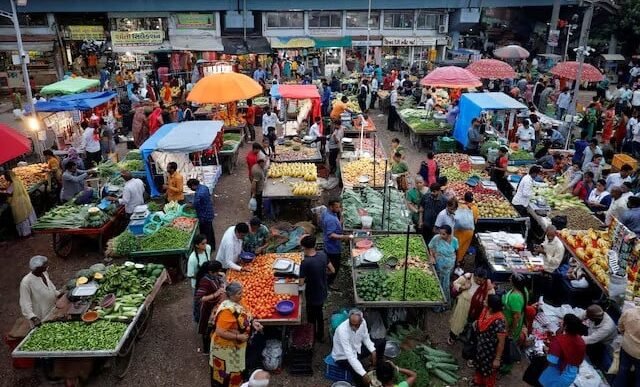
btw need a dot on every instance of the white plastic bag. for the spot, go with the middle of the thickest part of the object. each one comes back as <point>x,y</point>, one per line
<point>253,204</point>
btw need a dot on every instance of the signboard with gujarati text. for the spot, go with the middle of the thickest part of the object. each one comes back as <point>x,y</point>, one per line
<point>195,21</point>
<point>137,38</point>
<point>86,32</point>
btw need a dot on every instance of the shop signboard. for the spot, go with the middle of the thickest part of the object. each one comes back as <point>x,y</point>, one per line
<point>408,41</point>
<point>137,38</point>
<point>204,21</point>
<point>86,32</point>
<point>364,43</point>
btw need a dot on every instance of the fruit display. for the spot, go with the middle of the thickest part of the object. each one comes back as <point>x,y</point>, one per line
<point>352,171</point>
<point>366,145</point>
<point>454,173</point>
<point>293,152</point>
<point>306,171</point>
<point>491,203</point>
<point>352,103</point>
<point>591,247</point>
<point>305,189</point>
<point>230,116</point>
<point>75,336</point>
<point>129,278</point>
<point>30,175</point>
<point>372,286</point>
<point>451,159</point>
<point>258,284</point>
<point>370,202</point>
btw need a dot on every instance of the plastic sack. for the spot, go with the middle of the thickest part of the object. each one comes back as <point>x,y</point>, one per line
<point>377,330</point>
<point>272,355</point>
<point>337,318</point>
<point>253,204</point>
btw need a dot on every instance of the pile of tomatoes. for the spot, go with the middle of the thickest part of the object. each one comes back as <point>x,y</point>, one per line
<point>258,284</point>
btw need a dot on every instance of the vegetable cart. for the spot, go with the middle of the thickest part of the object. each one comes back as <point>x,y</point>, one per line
<point>121,354</point>
<point>179,255</point>
<point>297,153</point>
<point>63,237</point>
<point>419,135</point>
<point>229,158</point>
<point>390,280</point>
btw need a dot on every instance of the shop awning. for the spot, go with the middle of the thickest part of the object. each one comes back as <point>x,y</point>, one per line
<point>70,86</point>
<point>288,42</point>
<point>344,41</point>
<point>234,46</point>
<point>80,101</point>
<point>28,46</point>
<point>195,43</point>
<point>259,45</point>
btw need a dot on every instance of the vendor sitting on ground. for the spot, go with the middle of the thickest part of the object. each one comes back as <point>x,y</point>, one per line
<point>553,249</point>
<point>602,331</point>
<point>347,346</point>
<point>231,246</point>
<point>38,294</point>
<point>256,241</point>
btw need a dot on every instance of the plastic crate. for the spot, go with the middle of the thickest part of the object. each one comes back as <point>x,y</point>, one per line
<point>621,159</point>
<point>335,373</point>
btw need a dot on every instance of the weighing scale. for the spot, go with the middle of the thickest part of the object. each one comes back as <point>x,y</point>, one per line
<point>285,268</point>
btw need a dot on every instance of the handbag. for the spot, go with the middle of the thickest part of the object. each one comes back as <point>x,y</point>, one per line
<point>470,339</point>
<point>511,353</point>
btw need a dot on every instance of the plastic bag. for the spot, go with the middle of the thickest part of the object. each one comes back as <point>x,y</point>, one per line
<point>253,204</point>
<point>377,330</point>
<point>464,219</point>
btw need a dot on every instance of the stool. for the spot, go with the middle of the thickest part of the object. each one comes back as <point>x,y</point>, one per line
<point>335,373</point>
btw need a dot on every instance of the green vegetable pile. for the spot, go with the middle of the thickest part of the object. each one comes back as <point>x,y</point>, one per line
<point>373,286</point>
<point>107,169</point>
<point>75,336</point>
<point>520,154</point>
<point>490,144</point>
<point>411,360</point>
<point>131,165</point>
<point>122,245</point>
<point>372,201</point>
<point>129,279</point>
<point>395,246</point>
<point>232,137</point>
<point>166,238</point>
<point>124,309</point>
<point>134,154</point>
<point>70,215</point>
<point>420,286</point>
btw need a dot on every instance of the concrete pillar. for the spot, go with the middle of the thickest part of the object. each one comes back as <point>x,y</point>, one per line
<point>555,15</point>
<point>613,45</point>
<point>455,38</point>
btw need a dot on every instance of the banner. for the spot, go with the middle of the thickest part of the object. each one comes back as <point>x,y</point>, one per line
<point>137,38</point>
<point>411,41</point>
<point>195,21</point>
<point>86,32</point>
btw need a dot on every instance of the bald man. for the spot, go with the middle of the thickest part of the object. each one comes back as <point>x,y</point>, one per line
<point>347,351</point>
<point>132,193</point>
<point>553,249</point>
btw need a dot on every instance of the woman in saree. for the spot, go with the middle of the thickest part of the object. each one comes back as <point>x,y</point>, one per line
<point>515,302</point>
<point>609,117</point>
<point>442,252</point>
<point>491,332</point>
<point>208,294</point>
<point>414,197</point>
<point>473,290</point>
<point>464,228</point>
<point>23,214</point>
<point>566,352</point>
<point>229,341</point>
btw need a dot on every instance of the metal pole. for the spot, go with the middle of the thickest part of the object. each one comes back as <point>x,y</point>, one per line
<point>406,264</point>
<point>566,45</point>
<point>368,32</point>
<point>244,19</point>
<point>584,38</point>
<point>553,25</point>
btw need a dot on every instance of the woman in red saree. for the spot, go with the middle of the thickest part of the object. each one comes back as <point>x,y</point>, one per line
<point>609,122</point>
<point>491,330</point>
<point>473,290</point>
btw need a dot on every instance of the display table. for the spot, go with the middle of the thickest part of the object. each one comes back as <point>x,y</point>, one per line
<point>229,158</point>
<point>276,189</point>
<point>354,130</point>
<point>504,253</point>
<point>306,154</point>
<point>423,136</point>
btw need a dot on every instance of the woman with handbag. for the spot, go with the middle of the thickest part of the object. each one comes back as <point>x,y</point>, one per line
<point>473,290</point>
<point>566,352</point>
<point>514,303</point>
<point>491,331</point>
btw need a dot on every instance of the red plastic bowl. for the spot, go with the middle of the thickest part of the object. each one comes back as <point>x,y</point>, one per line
<point>285,307</point>
<point>364,244</point>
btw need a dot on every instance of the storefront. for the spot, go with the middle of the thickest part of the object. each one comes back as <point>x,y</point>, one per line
<point>292,47</point>
<point>81,41</point>
<point>356,55</point>
<point>247,54</point>
<point>42,64</point>
<point>331,52</point>
<point>411,51</point>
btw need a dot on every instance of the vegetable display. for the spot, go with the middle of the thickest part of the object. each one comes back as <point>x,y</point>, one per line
<point>129,278</point>
<point>70,215</point>
<point>166,238</point>
<point>291,152</point>
<point>394,246</point>
<point>353,170</point>
<point>491,203</point>
<point>107,169</point>
<point>420,286</point>
<point>521,155</point>
<point>451,159</point>
<point>75,336</point>
<point>131,165</point>
<point>373,286</point>
<point>368,201</point>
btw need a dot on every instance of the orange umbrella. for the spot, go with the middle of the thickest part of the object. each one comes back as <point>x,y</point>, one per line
<point>224,88</point>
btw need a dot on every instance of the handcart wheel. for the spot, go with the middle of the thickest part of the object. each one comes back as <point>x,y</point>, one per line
<point>123,361</point>
<point>62,244</point>
<point>144,325</point>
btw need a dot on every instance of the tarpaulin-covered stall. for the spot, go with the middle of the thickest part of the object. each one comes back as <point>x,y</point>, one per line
<point>301,92</point>
<point>80,101</point>
<point>70,86</point>
<point>472,104</point>
<point>173,142</point>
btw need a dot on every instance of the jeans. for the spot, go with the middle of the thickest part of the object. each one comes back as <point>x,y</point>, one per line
<point>626,362</point>
<point>315,318</point>
<point>258,211</point>
<point>374,96</point>
<point>251,132</point>
<point>560,113</point>
<point>635,148</point>
<point>335,261</point>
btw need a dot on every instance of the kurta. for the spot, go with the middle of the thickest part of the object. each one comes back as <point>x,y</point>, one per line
<point>36,298</point>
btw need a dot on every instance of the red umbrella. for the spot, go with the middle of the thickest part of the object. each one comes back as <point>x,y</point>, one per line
<point>13,144</point>
<point>451,77</point>
<point>569,70</point>
<point>511,51</point>
<point>491,69</point>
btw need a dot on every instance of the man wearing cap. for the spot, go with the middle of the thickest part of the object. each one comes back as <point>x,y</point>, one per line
<point>38,294</point>
<point>525,134</point>
<point>347,346</point>
<point>602,332</point>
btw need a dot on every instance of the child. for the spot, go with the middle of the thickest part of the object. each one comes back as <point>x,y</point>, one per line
<point>271,138</point>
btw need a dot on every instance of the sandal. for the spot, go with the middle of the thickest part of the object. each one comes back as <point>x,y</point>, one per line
<point>450,342</point>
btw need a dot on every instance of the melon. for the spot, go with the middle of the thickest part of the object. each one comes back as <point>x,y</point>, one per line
<point>98,267</point>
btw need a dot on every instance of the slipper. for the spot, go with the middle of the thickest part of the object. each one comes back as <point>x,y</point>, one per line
<point>470,364</point>
<point>450,342</point>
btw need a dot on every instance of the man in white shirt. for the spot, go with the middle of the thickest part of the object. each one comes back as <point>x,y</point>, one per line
<point>602,331</point>
<point>393,110</point>
<point>563,102</point>
<point>314,130</point>
<point>269,119</point>
<point>620,195</point>
<point>590,151</point>
<point>635,98</point>
<point>553,250</point>
<point>526,134</point>
<point>132,193</point>
<point>347,346</point>
<point>396,83</point>
<point>616,179</point>
<point>524,191</point>
<point>91,144</point>
<point>374,92</point>
<point>38,295</point>
<point>231,246</point>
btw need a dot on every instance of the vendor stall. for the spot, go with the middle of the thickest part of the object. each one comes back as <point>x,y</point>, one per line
<point>37,180</point>
<point>506,253</point>
<point>360,124</point>
<point>374,209</point>
<point>364,172</point>
<point>301,102</point>
<point>423,126</point>
<point>392,270</point>
<point>548,204</point>
<point>503,108</point>
<point>296,152</point>
<point>75,343</point>
<point>365,147</point>
<point>291,181</point>
<point>228,155</point>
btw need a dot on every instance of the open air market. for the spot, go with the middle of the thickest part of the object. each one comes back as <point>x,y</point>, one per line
<point>269,193</point>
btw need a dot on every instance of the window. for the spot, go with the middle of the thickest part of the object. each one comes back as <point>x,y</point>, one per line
<point>358,19</point>
<point>27,20</point>
<point>285,20</point>
<point>398,19</point>
<point>137,24</point>
<point>429,21</point>
<point>325,19</point>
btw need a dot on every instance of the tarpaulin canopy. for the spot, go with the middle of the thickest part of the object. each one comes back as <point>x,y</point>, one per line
<point>13,144</point>
<point>292,42</point>
<point>70,86</point>
<point>472,104</point>
<point>185,137</point>
<point>303,92</point>
<point>491,69</point>
<point>81,101</point>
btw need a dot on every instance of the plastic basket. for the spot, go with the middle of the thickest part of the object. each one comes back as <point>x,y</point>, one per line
<point>335,373</point>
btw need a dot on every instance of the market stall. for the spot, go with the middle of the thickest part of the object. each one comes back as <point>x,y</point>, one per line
<point>291,181</point>
<point>72,85</point>
<point>302,104</point>
<point>360,125</point>
<point>548,203</point>
<point>106,310</point>
<point>500,107</point>
<point>391,270</point>
<point>364,171</point>
<point>378,210</point>
<point>173,142</point>
<point>228,155</point>
<point>37,180</point>
<point>291,151</point>
<point>422,126</point>
<point>506,253</point>
<point>365,147</point>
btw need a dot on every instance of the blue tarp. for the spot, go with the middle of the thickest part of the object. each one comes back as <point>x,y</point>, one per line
<point>185,137</point>
<point>472,104</point>
<point>80,101</point>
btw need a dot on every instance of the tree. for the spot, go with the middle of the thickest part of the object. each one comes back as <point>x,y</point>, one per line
<point>624,25</point>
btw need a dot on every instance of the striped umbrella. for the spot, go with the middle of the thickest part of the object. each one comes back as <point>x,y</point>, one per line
<point>511,51</point>
<point>491,69</point>
<point>569,70</point>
